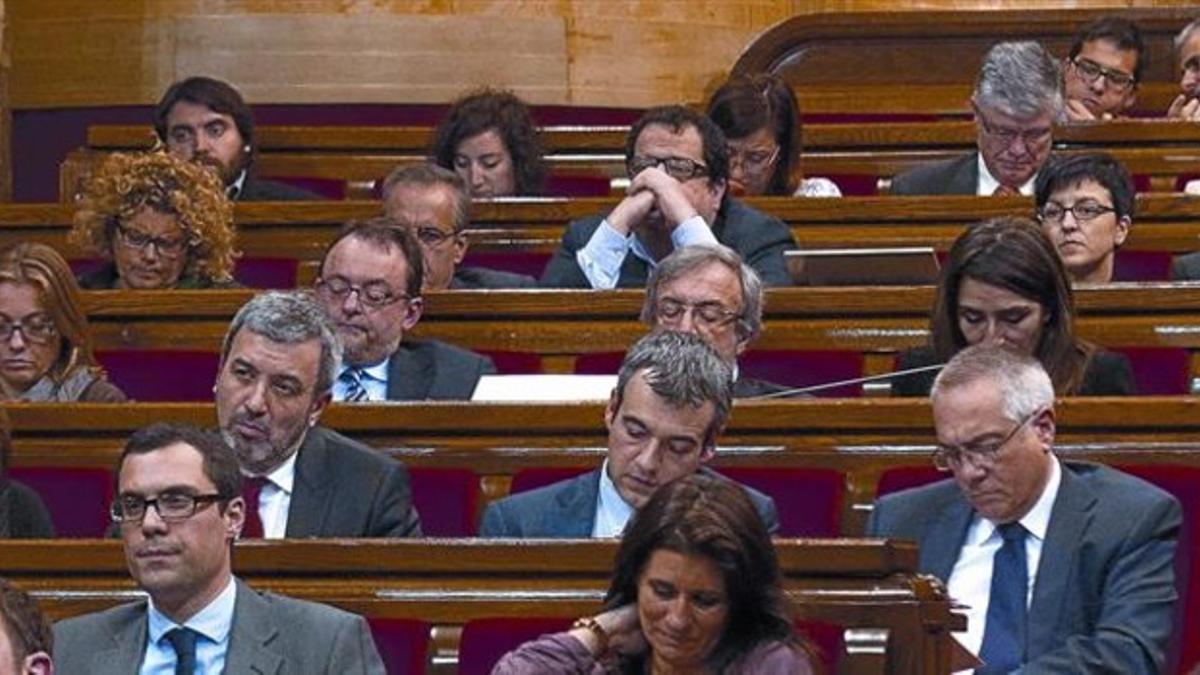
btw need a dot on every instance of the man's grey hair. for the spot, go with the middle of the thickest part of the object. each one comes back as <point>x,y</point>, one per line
<point>290,317</point>
<point>1023,383</point>
<point>684,370</point>
<point>1020,79</point>
<point>1183,36</point>
<point>428,175</point>
<point>689,258</point>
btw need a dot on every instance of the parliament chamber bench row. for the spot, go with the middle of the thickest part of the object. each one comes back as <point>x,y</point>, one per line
<point>823,462</point>
<point>282,242</point>
<point>455,606</point>
<point>812,336</point>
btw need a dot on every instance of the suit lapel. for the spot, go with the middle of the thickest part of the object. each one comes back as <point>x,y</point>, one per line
<point>968,175</point>
<point>576,511</point>
<point>410,374</point>
<point>943,539</point>
<point>310,491</point>
<point>252,637</point>
<point>1069,521</point>
<point>124,654</point>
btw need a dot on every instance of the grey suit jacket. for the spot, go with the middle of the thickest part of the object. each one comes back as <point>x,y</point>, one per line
<point>567,510</point>
<point>23,514</point>
<point>345,489</point>
<point>433,370</point>
<point>760,240</point>
<point>1104,595</point>
<point>1186,267</point>
<point>484,278</point>
<point>271,635</point>
<point>958,176</point>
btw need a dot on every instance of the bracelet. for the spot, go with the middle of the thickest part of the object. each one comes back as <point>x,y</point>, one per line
<point>590,623</point>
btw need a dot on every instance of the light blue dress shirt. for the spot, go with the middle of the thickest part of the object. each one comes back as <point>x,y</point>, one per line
<point>612,511</point>
<point>213,623</point>
<point>605,252</point>
<point>374,380</point>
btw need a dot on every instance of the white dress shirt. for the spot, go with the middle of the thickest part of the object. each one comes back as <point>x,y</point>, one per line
<point>605,252</point>
<point>987,183</point>
<point>970,582</point>
<point>612,511</point>
<point>276,498</point>
<point>374,380</point>
<point>213,624</point>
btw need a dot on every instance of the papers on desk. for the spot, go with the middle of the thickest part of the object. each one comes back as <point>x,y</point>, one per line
<point>523,388</point>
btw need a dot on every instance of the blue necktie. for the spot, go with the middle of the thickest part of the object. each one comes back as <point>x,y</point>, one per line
<point>1003,647</point>
<point>184,642</point>
<point>353,379</point>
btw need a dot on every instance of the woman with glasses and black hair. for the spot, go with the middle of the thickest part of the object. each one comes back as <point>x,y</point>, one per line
<point>160,221</point>
<point>1085,205</point>
<point>1004,284</point>
<point>45,347</point>
<point>761,121</point>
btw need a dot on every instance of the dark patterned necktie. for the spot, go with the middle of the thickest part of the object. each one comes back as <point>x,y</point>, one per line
<point>1003,647</point>
<point>353,379</point>
<point>252,493</point>
<point>184,642</point>
<point>1006,191</point>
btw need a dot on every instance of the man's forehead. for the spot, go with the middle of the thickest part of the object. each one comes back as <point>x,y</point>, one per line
<point>712,281</point>
<point>421,204</point>
<point>685,142</point>
<point>1007,118</point>
<point>175,466</point>
<point>360,259</point>
<point>188,112</point>
<point>296,359</point>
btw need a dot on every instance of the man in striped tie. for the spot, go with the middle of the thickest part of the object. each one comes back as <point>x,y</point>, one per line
<point>1063,566</point>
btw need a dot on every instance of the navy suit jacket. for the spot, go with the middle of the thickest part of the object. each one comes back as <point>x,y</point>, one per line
<point>433,370</point>
<point>484,278</point>
<point>256,189</point>
<point>959,176</point>
<point>567,510</point>
<point>271,635</point>
<point>345,489</point>
<point>760,240</point>
<point>1104,597</point>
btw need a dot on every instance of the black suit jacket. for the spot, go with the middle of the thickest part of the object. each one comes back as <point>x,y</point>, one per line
<point>262,190</point>
<point>1106,374</point>
<point>1186,267</point>
<point>567,510</point>
<point>345,489</point>
<point>760,240</point>
<point>482,277</point>
<point>23,515</point>
<point>1104,595</point>
<point>958,176</point>
<point>432,370</point>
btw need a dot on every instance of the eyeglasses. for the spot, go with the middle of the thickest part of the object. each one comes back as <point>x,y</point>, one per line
<point>679,168</point>
<point>1085,211</point>
<point>171,506</point>
<point>982,455</point>
<point>710,314</point>
<point>137,241</point>
<point>752,160</point>
<point>1091,71</point>
<point>373,295</point>
<point>1007,134</point>
<point>37,328</point>
<point>432,236</point>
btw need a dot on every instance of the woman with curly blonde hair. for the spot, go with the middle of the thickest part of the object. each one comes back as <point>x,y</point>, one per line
<point>162,222</point>
<point>45,346</point>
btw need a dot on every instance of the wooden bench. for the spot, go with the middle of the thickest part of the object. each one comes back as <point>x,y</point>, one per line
<point>897,622</point>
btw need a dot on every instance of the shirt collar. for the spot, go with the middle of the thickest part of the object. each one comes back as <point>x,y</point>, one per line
<point>608,500</point>
<point>284,476</point>
<point>987,182</point>
<point>213,622</point>
<point>235,188</point>
<point>1037,520</point>
<point>379,371</point>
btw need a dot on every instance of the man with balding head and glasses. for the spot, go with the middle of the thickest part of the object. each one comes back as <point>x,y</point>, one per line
<point>710,292</point>
<point>278,362</point>
<point>1017,100</point>
<point>179,507</point>
<point>678,165</point>
<point>1062,566</point>
<point>671,402</point>
<point>433,203</point>
<point>370,285</point>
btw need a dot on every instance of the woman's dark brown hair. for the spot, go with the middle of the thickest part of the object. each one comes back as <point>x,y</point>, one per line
<point>510,118</point>
<point>1014,254</point>
<point>713,518</point>
<point>744,105</point>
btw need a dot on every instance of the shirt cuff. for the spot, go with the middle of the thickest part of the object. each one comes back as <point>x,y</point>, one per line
<point>693,232</point>
<point>601,259</point>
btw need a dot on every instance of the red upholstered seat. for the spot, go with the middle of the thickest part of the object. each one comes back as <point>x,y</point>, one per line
<point>1142,266</point>
<point>484,641</point>
<point>1158,371</point>
<point>905,477</point>
<point>266,272</point>
<point>446,499</point>
<point>519,262</point>
<point>515,363</point>
<point>78,498</point>
<point>809,500</point>
<point>403,644</point>
<point>828,639</point>
<point>161,375</point>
